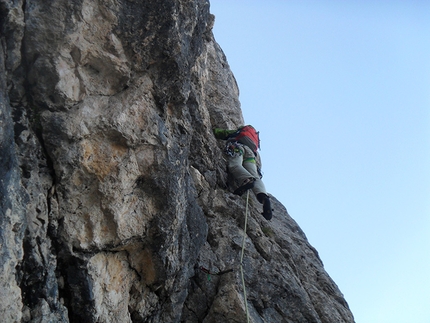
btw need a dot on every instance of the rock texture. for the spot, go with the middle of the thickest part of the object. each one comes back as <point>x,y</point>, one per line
<point>114,191</point>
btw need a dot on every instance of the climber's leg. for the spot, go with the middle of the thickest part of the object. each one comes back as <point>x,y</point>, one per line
<point>236,168</point>
<point>250,165</point>
<point>259,189</point>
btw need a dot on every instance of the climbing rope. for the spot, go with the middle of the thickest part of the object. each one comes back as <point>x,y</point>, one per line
<point>209,273</point>
<point>241,257</point>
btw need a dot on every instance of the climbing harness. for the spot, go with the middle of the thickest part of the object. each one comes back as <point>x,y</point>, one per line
<point>234,149</point>
<point>241,258</point>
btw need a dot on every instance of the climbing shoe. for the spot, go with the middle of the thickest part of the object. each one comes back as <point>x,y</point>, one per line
<point>247,184</point>
<point>267,207</point>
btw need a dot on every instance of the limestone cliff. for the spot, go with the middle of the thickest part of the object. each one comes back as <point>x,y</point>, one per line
<point>114,191</point>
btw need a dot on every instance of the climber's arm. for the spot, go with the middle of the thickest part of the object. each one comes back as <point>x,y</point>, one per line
<point>222,133</point>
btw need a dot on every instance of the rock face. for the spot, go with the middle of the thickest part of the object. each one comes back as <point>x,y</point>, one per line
<point>114,193</point>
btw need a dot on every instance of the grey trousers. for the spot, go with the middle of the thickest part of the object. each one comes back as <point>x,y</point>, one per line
<point>243,166</point>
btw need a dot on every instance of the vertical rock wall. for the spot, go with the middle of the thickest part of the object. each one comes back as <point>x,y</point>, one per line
<point>114,191</point>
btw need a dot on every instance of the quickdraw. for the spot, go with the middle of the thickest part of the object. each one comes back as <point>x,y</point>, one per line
<point>211,273</point>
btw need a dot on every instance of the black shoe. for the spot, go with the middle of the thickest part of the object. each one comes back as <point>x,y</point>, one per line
<point>249,183</point>
<point>267,209</point>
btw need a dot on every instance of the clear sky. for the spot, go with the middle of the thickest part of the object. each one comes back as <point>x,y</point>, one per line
<point>340,92</point>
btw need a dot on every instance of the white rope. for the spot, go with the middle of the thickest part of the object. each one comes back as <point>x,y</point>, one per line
<point>241,258</point>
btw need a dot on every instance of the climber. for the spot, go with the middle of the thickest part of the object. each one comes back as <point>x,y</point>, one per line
<point>244,162</point>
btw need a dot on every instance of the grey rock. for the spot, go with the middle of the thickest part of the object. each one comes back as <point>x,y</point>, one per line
<point>115,200</point>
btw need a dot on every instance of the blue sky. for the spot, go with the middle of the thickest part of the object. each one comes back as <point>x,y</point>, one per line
<point>340,92</point>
